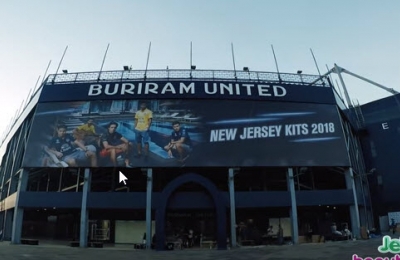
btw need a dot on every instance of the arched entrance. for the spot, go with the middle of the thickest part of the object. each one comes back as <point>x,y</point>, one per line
<point>219,203</point>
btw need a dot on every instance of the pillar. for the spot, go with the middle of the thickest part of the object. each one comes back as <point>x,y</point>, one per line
<point>83,236</point>
<point>18,211</point>
<point>354,213</point>
<point>231,182</point>
<point>2,215</point>
<point>8,223</point>
<point>148,207</point>
<point>293,209</point>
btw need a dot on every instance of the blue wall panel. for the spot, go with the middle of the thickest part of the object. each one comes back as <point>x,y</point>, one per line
<point>183,200</point>
<point>51,199</point>
<point>117,200</point>
<point>324,197</point>
<point>262,199</point>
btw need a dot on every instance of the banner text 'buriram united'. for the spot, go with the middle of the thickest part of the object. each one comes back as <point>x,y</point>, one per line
<point>186,89</point>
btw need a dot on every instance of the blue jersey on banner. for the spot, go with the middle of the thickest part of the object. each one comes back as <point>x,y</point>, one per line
<point>177,135</point>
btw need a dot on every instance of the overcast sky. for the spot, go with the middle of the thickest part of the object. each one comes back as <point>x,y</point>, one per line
<point>359,35</point>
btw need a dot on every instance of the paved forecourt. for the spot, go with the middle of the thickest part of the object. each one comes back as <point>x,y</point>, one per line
<point>329,250</point>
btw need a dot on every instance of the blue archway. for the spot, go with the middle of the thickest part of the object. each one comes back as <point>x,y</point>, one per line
<point>217,198</point>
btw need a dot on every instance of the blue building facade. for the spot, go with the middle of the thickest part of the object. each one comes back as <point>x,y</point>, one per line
<point>380,140</point>
<point>295,161</point>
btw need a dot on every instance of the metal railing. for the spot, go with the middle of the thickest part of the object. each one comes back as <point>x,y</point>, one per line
<point>223,75</point>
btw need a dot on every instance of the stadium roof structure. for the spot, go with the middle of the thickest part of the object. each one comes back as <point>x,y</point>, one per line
<point>193,75</point>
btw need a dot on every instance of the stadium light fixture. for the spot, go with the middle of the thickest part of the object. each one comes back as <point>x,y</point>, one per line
<point>193,67</point>
<point>65,71</point>
<point>301,76</point>
<point>246,69</point>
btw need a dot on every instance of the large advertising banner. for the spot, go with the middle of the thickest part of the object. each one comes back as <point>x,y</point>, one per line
<point>191,133</point>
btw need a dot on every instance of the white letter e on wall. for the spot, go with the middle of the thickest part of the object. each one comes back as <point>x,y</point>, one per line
<point>385,126</point>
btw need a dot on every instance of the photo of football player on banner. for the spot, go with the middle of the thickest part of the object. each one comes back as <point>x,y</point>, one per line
<point>177,133</point>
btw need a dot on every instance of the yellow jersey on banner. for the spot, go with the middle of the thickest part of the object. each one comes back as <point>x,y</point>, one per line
<point>87,128</point>
<point>143,119</point>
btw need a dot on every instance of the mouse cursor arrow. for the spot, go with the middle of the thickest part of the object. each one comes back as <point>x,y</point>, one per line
<point>122,178</point>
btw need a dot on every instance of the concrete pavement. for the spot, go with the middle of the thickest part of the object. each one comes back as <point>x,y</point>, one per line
<point>330,250</point>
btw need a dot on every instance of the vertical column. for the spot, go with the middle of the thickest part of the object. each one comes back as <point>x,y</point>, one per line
<point>365,194</point>
<point>370,218</point>
<point>231,181</point>
<point>148,207</point>
<point>363,217</point>
<point>2,216</point>
<point>346,94</point>
<point>8,222</point>
<point>13,184</point>
<point>18,211</point>
<point>293,209</point>
<point>83,237</point>
<point>354,213</point>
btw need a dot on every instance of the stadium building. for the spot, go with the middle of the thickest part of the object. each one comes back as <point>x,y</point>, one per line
<point>215,156</point>
<point>380,124</point>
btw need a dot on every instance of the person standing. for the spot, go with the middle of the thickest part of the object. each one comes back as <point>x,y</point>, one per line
<point>143,120</point>
<point>280,237</point>
<point>393,226</point>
